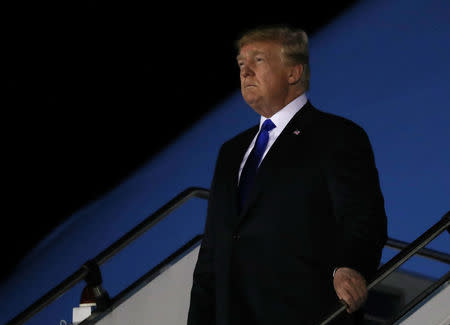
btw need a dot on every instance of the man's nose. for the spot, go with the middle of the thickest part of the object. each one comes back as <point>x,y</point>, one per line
<point>246,71</point>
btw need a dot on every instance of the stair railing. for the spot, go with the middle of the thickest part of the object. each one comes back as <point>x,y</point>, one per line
<point>90,268</point>
<point>399,259</point>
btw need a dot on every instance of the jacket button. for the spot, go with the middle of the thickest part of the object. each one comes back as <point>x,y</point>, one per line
<point>236,237</point>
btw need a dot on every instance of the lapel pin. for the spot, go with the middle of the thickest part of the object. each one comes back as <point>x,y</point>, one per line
<point>296,132</point>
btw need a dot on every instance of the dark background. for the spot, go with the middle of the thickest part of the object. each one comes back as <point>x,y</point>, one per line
<point>94,90</point>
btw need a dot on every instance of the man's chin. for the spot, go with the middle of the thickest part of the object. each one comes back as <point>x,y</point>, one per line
<point>251,103</point>
<point>249,98</point>
<point>254,105</point>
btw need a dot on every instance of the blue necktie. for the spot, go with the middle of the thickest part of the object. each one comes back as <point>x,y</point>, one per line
<point>251,165</point>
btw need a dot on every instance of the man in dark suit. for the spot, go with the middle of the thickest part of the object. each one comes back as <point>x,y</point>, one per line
<point>296,218</point>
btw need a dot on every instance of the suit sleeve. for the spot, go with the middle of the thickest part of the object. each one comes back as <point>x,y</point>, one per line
<point>357,201</point>
<point>202,300</point>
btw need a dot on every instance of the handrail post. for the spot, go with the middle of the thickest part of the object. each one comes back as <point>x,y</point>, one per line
<point>94,286</point>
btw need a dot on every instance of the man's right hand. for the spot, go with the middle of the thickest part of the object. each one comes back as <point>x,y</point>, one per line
<point>350,286</point>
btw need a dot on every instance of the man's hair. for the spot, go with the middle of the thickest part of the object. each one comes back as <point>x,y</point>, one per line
<point>294,45</point>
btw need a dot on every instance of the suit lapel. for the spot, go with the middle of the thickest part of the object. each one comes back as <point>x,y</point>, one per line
<point>291,136</point>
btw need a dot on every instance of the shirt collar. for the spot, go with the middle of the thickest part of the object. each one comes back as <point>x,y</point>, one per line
<point>283,116</point>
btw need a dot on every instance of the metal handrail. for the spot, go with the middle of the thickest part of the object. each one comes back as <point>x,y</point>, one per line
<point>399,259</point>
<point>421,297</point>
<point>408,250</point>
<point>109,252</point>
<point>143,280</point>
<point>425,252</point>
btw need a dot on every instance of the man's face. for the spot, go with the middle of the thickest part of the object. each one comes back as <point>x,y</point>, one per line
<point>264,77</point>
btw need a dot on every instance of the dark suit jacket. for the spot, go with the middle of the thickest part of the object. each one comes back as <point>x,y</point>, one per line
<point>316,204</point>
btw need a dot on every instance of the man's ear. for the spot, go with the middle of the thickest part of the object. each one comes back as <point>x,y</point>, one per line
<point>295,73</point>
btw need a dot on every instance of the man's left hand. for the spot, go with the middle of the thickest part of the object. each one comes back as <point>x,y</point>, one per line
<point>350,286</point>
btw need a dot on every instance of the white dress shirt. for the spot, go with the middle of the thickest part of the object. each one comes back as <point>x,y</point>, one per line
<point>280,119</point>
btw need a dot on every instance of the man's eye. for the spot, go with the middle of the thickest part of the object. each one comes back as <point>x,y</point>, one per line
<point>259,59</point>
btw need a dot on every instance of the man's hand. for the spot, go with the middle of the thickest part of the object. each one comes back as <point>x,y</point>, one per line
<point>350,286</point>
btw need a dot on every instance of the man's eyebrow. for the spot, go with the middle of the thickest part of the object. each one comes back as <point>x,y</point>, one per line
<point>252,53</point>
